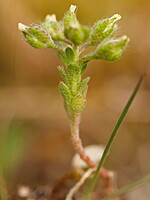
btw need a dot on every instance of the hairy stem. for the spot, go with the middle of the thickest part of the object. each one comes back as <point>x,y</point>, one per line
<point>88,57</point>
<point>77,144</point>
<point>87,44</point>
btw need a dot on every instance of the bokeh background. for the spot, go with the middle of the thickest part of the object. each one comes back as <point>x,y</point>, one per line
<point>31,108</point>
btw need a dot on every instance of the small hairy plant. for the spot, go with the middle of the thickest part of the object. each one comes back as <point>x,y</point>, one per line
<point>70,39</point>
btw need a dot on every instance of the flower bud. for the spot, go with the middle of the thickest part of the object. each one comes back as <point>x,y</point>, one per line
<point>111,49</point>
<point>86,30</point>
<point>53,27</point>
<point>70,19</point>
<point>37,36</point>
<point>72,28</point>
<point>104,28</point>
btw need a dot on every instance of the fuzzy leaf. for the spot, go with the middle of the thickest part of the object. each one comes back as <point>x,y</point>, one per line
<point>82,87</point>
<point>62,56</point>
<point>70,54</point>
<point>78,104</point>
<point>74,77</point>
<point>65,92</point>
<point>83,67</point>
<point>63,74</point>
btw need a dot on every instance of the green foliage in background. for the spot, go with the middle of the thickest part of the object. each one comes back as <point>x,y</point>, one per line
<point>12,141</point>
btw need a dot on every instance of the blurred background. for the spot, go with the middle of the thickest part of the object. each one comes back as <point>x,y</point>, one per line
<point>31,108</point>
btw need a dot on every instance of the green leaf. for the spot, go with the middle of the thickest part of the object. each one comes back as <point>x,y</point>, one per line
<point>83,67</point>
<point>128,188</point>
<point>82,87</point>
<point>78,104</point>
<point>112,137</point>
<point>63,74</point>
<point>65,92</point>
<point>62,56</point>
<point>70,55</point>
<point>74,77</point>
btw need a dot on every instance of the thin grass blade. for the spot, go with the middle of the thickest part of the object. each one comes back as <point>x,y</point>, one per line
<point>127,188</point>
<point>111,139</point>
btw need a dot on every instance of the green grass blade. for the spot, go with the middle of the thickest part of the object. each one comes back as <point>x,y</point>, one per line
<point>127,188</point>
<point>114,132</point>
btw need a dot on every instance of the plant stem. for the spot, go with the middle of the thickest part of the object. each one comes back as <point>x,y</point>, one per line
<point>77,143</point>
<point>68,41</point>
<point>78,147</point>
<point>85,45</point>
<point>129,187</point>
<point>88,57</point>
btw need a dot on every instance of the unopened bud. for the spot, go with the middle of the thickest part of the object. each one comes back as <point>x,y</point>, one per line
<point>86,30</point>
<point>37,36</point>
<point>70,19</point>
<point>104,28</point>
<point>22,27</point>
<point>50,18</point>
<point>53,27</point>
<point>72,28</point>
<point>112,49</point>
